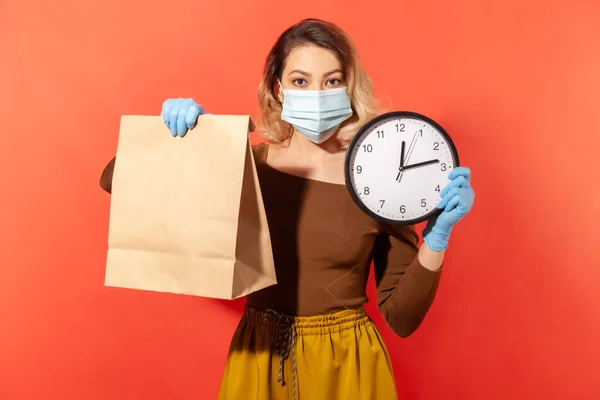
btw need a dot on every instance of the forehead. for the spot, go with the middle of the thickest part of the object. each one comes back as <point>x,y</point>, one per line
<point>311,59</point>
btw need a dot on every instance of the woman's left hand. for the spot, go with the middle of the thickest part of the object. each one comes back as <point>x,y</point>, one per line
<point>457,200</point>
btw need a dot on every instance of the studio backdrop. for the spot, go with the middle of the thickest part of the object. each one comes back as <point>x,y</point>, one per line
<point>516,83</point>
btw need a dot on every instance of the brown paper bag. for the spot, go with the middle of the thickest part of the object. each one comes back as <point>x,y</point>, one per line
<point>186,214</point>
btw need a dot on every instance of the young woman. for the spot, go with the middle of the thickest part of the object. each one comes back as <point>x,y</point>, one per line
<point>308,337</point>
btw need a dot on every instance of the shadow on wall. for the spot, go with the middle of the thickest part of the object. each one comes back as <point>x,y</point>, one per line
<point>235,306</point>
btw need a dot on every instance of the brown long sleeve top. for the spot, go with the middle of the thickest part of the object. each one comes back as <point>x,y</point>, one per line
<point>323,245</point>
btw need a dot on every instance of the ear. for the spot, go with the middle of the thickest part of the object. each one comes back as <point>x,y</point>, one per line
<point>278,91</point>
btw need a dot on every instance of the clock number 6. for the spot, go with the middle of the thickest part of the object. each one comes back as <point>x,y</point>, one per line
<point>402,209</point>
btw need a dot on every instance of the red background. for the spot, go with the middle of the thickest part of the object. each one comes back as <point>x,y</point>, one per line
<point>516,83</point>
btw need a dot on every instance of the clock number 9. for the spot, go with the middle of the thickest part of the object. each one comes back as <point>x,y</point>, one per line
<point>358,169</point>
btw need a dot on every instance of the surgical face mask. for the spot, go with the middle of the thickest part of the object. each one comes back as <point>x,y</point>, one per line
<point>316,113</point>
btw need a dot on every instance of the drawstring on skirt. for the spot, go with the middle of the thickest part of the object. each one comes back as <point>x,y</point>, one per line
<point>285,343</point>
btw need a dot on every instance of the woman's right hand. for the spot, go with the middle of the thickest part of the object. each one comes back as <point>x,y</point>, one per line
<point>180,115</point>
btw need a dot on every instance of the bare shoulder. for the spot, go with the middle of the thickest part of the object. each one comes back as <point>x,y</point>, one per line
<point>335,169</point>
<point>259,151</point>
<point>276,154</point>
<point>339,157</point>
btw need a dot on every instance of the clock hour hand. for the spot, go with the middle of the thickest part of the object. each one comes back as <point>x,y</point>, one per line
<point>411,166</point>
<point>421,164</point>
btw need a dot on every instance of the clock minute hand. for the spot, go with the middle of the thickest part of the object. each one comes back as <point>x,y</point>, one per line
<point>402,155</point>
<point>410,151</point>
<point>401,167</point>
<point>421,164</point>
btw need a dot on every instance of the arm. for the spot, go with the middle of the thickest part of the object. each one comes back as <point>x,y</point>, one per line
<point>430,259</point>
<point>107,176</point>
<point>407,278</point>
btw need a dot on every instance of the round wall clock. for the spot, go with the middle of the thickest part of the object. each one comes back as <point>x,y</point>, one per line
<point>396,166</point>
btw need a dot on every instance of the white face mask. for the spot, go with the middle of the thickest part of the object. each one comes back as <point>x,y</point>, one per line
<point>316,113</point>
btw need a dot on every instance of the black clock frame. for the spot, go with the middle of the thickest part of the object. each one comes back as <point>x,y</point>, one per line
<point>372,125</point>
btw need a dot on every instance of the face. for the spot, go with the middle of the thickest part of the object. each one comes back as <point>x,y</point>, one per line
<point>311,68</point>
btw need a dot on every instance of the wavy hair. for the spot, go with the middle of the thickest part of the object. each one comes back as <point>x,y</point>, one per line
<point>328,36</point>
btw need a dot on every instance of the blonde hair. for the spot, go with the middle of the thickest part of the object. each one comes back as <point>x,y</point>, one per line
<point>326,35</point>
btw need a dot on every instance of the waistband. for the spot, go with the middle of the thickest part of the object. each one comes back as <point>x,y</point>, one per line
<point>309,325</point>
<point>287,328</point>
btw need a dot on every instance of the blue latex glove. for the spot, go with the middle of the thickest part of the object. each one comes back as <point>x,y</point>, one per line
<point>181,115</point>
<point>457,200</point>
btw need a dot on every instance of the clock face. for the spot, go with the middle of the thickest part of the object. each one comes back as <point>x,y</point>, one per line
<point>397,165</point>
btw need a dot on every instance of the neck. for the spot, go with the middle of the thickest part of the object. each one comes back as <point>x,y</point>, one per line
<point>300,144</point>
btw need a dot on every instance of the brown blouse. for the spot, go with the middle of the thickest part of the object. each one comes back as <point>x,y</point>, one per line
<point>323,245</point>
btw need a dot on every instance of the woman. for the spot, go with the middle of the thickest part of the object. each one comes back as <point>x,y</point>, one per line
<point>308,336</point>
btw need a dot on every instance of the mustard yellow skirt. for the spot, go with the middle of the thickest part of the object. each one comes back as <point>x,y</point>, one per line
<point>329,357</point>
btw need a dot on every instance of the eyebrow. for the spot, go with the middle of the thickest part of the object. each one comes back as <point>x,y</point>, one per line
<point>298,71</point>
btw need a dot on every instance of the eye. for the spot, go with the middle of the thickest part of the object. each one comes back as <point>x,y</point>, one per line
<point>299,81</point>
<point>334,82</point>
